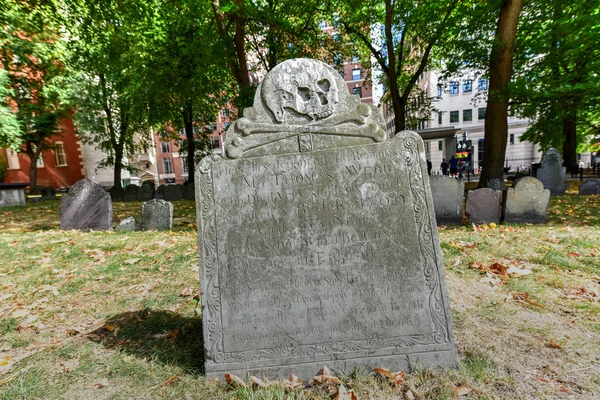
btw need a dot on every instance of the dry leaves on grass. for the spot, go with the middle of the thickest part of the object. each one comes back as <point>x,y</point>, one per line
<point>523,298</point>
<point>462,390</point>
<point>582,293</point>
<point>497,272</point>
<point>396,379</point>
<point>344,394</point>
<point>557,384</point>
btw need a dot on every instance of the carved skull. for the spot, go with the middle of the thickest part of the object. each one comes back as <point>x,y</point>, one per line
<point>300,90</point>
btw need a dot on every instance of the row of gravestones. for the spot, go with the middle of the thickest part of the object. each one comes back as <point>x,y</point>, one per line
<point>147,192</point>
<point>525,202</point>
<point>89,207</point>
<point>552,175</point>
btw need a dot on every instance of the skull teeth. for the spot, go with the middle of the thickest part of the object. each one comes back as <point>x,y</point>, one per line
<point>324,114</point>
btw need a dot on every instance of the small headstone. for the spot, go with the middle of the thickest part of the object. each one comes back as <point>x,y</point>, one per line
<point>157,215</point>
<point>129,224</point>
<point>448,194</point>
<point>160,192</point>
<point>48,193</point>
<point>318,242</point>
<point>552,173</point>
<point>483,205</point>
<point>117,193</point>
<point>590,186</point>
<point>86,207</point>
<point>131,192</point>
<point>526,202</point>
<point>174,192</point>
<point>190,192</point>
<point>13,194</point>
<point>146,192</point>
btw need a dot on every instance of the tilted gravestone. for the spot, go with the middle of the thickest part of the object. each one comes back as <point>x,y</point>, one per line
<point>552,173</point>
<point>526,202</point>
<point>129,224</point>
<point>318,241</point>
<point>483,205</point>
<point>190,192</point>
<point>160,192</point>
<point>590,186</point>
<point>448,194</point>
<point>117,193</point>
<point>174,192</point>
<point>146,192</point>
<point>157,215</point>
<point>87,207</point>
<point>131,193</point>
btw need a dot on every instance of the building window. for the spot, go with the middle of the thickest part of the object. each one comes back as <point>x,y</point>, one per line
<point>184,166</point>
<point>13,159</point>
<point>358,91</point>
<point>167,166</point>
<point>322,24</point>
<point>453,87</point>
<point>482,84</point>
<point>226,125</point>
<point>40,160</point>
<point>440,145</point>
<point>512,138</point>
<point>226,112</point>
<point>182,132</point>
<point>453,116</point>
<point>439,118</point>
<point>468,86</point>
<point>355,59</point>
<point>214,141</point>
<point>481,113</point>
<point>213,127</point>
<point>356,74</point>
<point>165,147</point>
<point>439,90</point>
<point>467,115</point>
<point>59,152</point>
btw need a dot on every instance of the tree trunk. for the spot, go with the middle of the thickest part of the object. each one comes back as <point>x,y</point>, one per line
<point>496,118</point>
<point>118,167</point>
<point>33,189</point>
<point>188,117</point>
<point>569,128</point>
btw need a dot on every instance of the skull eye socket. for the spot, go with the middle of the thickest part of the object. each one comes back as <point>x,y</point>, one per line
<point>324,85</point>
<point>304,93</point>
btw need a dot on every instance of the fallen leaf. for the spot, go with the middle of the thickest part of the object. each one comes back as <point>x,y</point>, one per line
<point>189,291</point>
<point>398,378</point>
<point>382,372</point>
<point>258,382</point>
<point>344,394</point>
<point>102,383</point>
<point>132,261</point>
<point>234,381</point>
<point>173,334</point>
<point>71,332</point>
<point>70,365</point>
<point>574,254</point>
<point>552,344</point>
<point>324,371</point>
<point>109,328</point>
<point>4,360</point>
<point>168,380</point>
<point>462,390</point>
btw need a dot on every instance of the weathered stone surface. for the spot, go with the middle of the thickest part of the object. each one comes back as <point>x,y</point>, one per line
<point>129,224</point>
<point>552,173</point>
<point>526,202</point>
<point>316,257</point>
<point>48,193</point>
<point>160,192</point>
<point>590,186</point>
<point>117,193</point>
<point>146,192</point>
<point>483,205</point>
<point>157,215</point>
<point>131,193</point>
<point>86,207</point>
<point>190,192</point>
<point>448,194</point>
<point>13,194</point>
<point>174,192</point>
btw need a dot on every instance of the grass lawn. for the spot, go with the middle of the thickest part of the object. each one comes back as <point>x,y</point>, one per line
<point>106,315</point>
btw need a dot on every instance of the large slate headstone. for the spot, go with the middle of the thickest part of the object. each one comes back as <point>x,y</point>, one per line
<point>87,207</point>
<point>527,202</point>
<point>48,193</point>
<point>174,192</point>
<point>190,192</point>
<point>146,192</point>
<point>590,186</point>
<point>448,194</point>
<point>552,173</point>
<point>483,205</point>
<point>160,192</point>
<point>318,241</point>
<point>117,193</point>
<point>157,215</point>
<point>131,193</point>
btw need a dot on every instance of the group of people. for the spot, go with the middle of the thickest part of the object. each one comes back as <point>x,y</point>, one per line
<point>454,167</point>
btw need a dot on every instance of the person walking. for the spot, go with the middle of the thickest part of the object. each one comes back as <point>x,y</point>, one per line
<point>453,166</point>
<point>444,167</point>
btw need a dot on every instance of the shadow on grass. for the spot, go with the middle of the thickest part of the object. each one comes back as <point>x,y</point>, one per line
<point>162,336</point>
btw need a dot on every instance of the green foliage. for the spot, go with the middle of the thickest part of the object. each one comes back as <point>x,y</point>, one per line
<point>10,131</point>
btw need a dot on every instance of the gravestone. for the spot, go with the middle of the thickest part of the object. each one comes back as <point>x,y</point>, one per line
<point>590,186</point>
<point>552,173</point>
<point>318,242</point>
<point>174,192</point>
<point>48,193</point>
<point>13,194</point>
<point>131,193</point>
<point>190,192</point>
<point>129,224</point>
<point>447,194</point>
<point>146,192</point>
<point>483,205</point>
<point>87,207</point>
<point>160,192</point>
<point>117,193</point>
<point>157,215</point>
<point>526,202</point>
